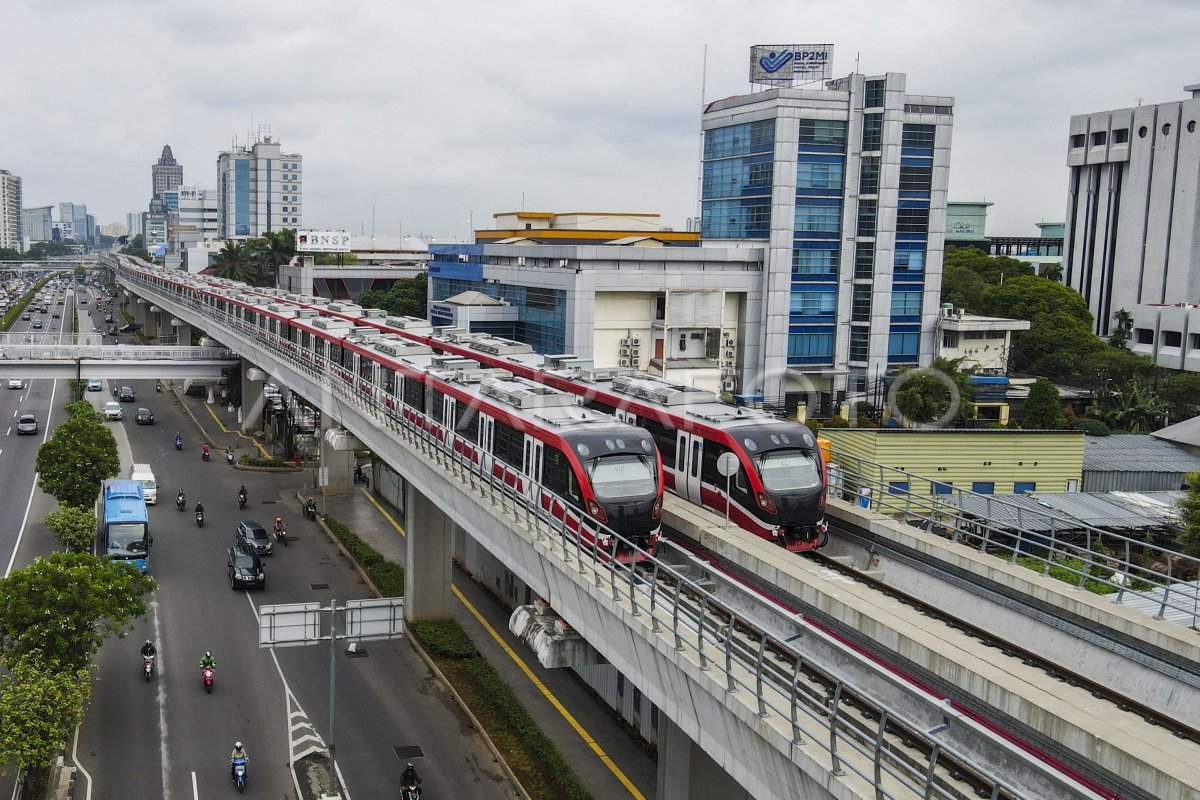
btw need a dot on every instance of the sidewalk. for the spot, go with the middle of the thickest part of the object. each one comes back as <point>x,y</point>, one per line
<point>607,759</point>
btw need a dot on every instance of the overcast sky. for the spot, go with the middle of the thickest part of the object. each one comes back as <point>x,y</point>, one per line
<point>416,116</point>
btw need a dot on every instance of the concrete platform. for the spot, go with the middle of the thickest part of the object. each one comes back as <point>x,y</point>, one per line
<point>1138,755</point>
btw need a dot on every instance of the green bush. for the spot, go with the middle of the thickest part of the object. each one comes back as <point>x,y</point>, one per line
<point>388,577</point>
<point>263,462</point>
<point>444,638</point>
<point>1092,427</point>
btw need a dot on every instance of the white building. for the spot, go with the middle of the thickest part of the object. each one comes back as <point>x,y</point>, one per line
<point>38,224</point>
<point>191,220</point>
<point>1170,334</point>
<point>844,186</point>
<point>260,189</point>
<point>11,227</point>
<point>1133,213</point>
<point>983,343</point>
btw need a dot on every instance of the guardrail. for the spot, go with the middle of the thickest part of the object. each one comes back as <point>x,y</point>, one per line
<point>1089,557</point>
<point>720,635</point>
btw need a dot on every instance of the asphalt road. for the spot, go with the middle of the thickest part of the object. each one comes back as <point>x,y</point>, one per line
<point>170,739</point>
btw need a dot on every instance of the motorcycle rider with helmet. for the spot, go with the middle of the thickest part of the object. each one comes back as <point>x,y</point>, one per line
<point>207,661</point>
<point>410,777</point>
<point>238,752</point>
<point>148,650</point>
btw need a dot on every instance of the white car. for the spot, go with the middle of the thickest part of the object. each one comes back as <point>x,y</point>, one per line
<point>112,410</point>
<point>16,383</point>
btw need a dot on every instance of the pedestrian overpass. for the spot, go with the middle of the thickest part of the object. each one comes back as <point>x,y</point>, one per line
<point>84,356</point>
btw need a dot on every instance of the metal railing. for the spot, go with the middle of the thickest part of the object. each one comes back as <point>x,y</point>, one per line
<point>70,347</point>
<point>1083,555</point>
<point>764,667</point>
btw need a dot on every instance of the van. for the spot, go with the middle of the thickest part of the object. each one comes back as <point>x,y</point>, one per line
<point>144,475</point>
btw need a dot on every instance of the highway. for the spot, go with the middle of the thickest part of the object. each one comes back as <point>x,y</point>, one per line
<point>168,738</point>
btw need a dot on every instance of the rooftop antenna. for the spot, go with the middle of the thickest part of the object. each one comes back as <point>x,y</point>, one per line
<point>857,57</point>
<point>700,142</point>
<point>372,217</point>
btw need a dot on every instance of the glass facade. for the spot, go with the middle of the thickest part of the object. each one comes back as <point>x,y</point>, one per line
<point>241,195</point>
<point>736,185</point>
<point>912,242</point>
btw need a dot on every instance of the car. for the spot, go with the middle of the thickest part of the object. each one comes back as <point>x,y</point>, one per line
<point>16,383</point>
<point>25,317</point>
<point>112,410</point>
<point>130,328</point>
<point>56,315</point>
<point>95,385</point>
<point>244,567</point>
<point>125,394</point>
<point>144,416</point>
<point>108,317</point>
<point>255,535</point>
<point>27,424</point>
<point>36,324</point>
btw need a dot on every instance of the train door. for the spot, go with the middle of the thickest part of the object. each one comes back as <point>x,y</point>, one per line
<point>531,465</point>
<point>487,428</point>
<point>448,405</point>
<point>689,453</point>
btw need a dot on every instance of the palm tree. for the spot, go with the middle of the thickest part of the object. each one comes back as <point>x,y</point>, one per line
<point>233,262</point>
<point>1120,333</point>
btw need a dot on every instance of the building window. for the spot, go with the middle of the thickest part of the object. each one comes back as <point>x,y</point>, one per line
<point>872,132</point>
<point>823,133</point>
<point>814,302</point>
<point>1143,335</point>
<point>1142,131</point>
<point>737,177</point>
<point>1078,140</point>
<point>897,487</point>
<point>906,304</point>
<point>817,346</point>
<point>949,339</point>
<point>817,218</point>
<point>868,175</point>
<point>983,487</point>
<point>875,94</point>
<point>868,210</point>
<point>740,140</point>
<point>903,346</point>
<point>1099,138</point>
<point>1166,129</point>
<point>860,304</point>
<point>1024,487</point>
<point>1120,135</point>
<point>864,261</point>
<point>909,261</point>
<point>860,339</point>
<point>912,220</point>
<point>814,260</point>
<point>918,136</point>
<point>941,488</point>
<point>1191,126</point>
<point>916,179</point>
<point>820,174</point>
<point>1172,339</point>
<point>1194,341</point>
<point>748,218</point>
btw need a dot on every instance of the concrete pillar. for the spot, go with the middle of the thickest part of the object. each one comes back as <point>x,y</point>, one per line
<point>427,557</point>
<point>183,333</point>
<point>139,310</point>
<point>252,396</point>
<point>339,464</point>
<point>685,771</point>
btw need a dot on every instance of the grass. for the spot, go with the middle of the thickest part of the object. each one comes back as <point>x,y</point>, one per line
<point>527,751</point>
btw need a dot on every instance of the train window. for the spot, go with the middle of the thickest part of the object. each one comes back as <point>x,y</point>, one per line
<point>389,381</point>
<point>466,422</point>
<point>335,353</point>
<point>348,358</point>
<point>414,394</point>
<point>664,437</point>
<point>785,470</point>
<point>695,457</point>
<point>555,469</point>
<point>437,402</point>
<point>508,444</point>
<point>620,476</point>
<point>740,485</point>
<point>305,339</point>
<point>366,369</point>
<point>680,453</point>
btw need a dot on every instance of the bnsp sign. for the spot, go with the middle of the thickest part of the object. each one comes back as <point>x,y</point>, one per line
<point>788,64</point>
<point>322,242</point>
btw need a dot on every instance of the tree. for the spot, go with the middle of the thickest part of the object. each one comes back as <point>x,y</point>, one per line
<point>81,453</point>
<point>925,397</point>
<point>407,297</point>
<point>1181,393</point>
<point>75,528</point>
<point>233,262</point>
<point>8,254</point>
<point>1189,516</point>
<point>67,604</point>
<point>39,709</point>
<point>1053,346</point>
<point>994,270</point>
<point>1120,332</point>
<point>1043,407</point>
<point>335,259</point>
<point>1133,406</point>
<point>1028,297</point>
<point>963,288</point>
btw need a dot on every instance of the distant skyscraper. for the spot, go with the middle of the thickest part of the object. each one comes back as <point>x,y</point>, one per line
<point>166,175</point>
<point>39,224</point>
<point>11,236</point>
<point>133,221</point>
<point>1133,215</point>
<point>259,190</point>
<point>77,215</point>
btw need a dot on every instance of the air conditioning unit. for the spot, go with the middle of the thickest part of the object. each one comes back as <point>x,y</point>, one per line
<point>624,362</point>
<point>634,352</point>
<point>728,342</point>
<point>729,385</point>
<point>625,341</point>
<point>729,354</point>
<point>635,341</point>
<point>624,351</point>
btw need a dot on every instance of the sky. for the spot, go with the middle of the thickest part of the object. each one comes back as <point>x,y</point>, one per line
<point>428,117</point>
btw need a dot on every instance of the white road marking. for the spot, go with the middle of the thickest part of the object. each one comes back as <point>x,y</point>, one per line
<point>195,791</point>
<point>79,765</point>
<point>32,490</point>
<point>289,700</point>
<point>164,748</point>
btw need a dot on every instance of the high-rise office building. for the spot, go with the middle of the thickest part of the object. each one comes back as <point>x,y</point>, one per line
<point>845,187</point>
<point>77,215</point>
<point>259,190</point>
<point>11,236</point>
<point>39,224</point>
<point>133,221</point>
<point>1132,228</point>
<point>191,219</point>
<point>167,174</point>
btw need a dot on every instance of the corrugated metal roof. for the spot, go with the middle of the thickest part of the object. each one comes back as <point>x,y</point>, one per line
<point>1044,511</point>
<point>1186,432</point>
<point>1136,453</point>
<point>1183,596</point>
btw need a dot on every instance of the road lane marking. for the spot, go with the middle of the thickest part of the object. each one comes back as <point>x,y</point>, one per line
<point>554,701</point>
<point>164,747</point>
<point>383,511</point>
<point>195,791</point>
<point>87,795</point>
<point>221,425</point>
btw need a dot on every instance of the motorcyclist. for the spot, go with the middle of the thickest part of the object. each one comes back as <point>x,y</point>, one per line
<point>199,507</point>
<point>238,752</point>
<point>204,450</point>
<point>180,499</point>
<point>148,650</point>
<point>207,661</point>
<point>178,439</point>
<point>410,777</point>
<point>279,526</point>
<point>310,507</point>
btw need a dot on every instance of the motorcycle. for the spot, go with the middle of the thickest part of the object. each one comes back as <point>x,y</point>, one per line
<point>410,792</point>
<point>229,456</point>
<point>180,501</point>
<point>239,773</point>
<point>158,387</point>
<point>281,534</point>
<point>148,667</point>
<point>199,519</point>
<point>204,453</point>
<point>241,500</point>
<point>178,442</point>
<point>207,675</point>
<point>310,510</point>
<point>360,477</point>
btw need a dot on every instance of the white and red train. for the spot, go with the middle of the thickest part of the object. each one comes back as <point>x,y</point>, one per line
<point>777,491</point>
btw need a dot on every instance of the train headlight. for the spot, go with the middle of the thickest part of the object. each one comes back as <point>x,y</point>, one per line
<point>596,511</point>
<point>764,502</point>
<point>656,509</point>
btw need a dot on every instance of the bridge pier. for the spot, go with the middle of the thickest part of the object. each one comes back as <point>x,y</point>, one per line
<point>427,554</point>
<point>140,311</point>
<point>183,333</point>
<point>686,772</point>
<point>253,380</point>
<point>337,463</point>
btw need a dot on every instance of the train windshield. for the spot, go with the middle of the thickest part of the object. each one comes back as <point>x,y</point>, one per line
<point>616,477</point>
<point>789,470</point>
